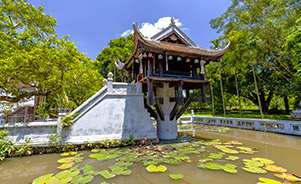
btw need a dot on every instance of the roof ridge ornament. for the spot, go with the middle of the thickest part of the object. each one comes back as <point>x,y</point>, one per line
<point>172,22</point>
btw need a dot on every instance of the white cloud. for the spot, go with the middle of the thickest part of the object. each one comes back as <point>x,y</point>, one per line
<point>148,29</point>
<point>126,33</point>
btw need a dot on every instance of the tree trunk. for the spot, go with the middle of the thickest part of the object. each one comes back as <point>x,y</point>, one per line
<point>222,90</point>
<point>286,104</point>
<point>212,97</point>
<point>258,97</point>
<point>238,97</point>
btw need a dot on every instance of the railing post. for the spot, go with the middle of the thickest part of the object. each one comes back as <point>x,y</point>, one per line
<point>138,87</point>
<point>192,116</point>
<point>110,82</point>
<point>62,114</point>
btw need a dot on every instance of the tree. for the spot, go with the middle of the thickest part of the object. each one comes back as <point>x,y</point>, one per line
<point>259,28</point>
<point>121,49</point>
<point>31,54</point>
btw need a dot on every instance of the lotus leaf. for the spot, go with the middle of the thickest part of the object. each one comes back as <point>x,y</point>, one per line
<point>66,160</point>
<point>66,166</point>
<point>233,143</point>
<point>263,160</point>
<point>82,179</point>
<point>118,170</point>
<point>176,176</point>
<point>42,179</point>
<point>96,150</point>
<point>215,156</point>
<point>252,163</point>
<point>244,148</point>
<point>268,181</point>
<point>203,166</point>
<point>172,161</point>
<point>152,162</point>
<point>126,172</point>
<point>106,174</point>
<point>233,158</point>
<point>53,180</point>
<point>256,170</point>
<point>274,168</point>
<point>213,166</point>
<point>153,168</point>
<point>69,153</point>
<point>205,159</point>
<point>182,157</point>
<point>289,177</point>
<point>230,168</point>
<point>104,182</point>
<point>66,174</point>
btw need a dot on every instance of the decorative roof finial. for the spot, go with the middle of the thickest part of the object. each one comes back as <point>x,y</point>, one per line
<point>172,21</point>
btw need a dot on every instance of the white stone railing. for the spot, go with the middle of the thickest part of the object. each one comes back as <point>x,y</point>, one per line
<point>277,126</point>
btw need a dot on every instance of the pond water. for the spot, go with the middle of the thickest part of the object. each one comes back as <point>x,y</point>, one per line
<point>284,150</point>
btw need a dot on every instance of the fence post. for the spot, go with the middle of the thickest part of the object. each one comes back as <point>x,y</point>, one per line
<point>192,116</point>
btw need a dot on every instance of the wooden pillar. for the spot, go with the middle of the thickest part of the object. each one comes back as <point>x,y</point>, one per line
<point>166,59</point>
<point>149,67</point>
<point>193,70</point>
<point>161,67</point>
<point>149,92</point>
<point>180,93</point>
<point>187,93</point>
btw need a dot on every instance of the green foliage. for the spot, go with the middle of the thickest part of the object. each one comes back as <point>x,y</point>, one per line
<point>67,121</point>
<point>32,55</point>
<point>121,49</point>
<point>6,144</point>
<point>267,35</point>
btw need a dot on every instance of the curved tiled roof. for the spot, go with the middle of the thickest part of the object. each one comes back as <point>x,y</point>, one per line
<point>172,48</point>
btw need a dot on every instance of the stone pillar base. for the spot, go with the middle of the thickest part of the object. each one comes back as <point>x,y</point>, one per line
<point>167,130</point>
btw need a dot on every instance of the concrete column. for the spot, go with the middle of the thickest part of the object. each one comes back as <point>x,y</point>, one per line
<point>167,129</point>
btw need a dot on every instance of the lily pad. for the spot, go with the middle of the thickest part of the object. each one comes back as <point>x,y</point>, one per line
<point>42,179</point>
<point>205,159</point>
<point>65,160</point>
<point>274,168</point>
<point>252,163</point>
<point>268,181</point>
<point>176,176</point>
<point>213,166</point>
<point>232,158</point>
<point>66,174</point>
<point>54,180</point>
<point>230,168</point>
<point>263,160</point>
<point>82,179</point>
<point>96,150</point>
<point>244,148</point>
<point>182,157</point>
<point>106,174</point>
<point>215,156</point>
<point>66,166</point>
<point>69,153</point>
<point>289,177</point>
<point>255,170</point>
<point>153,168</point>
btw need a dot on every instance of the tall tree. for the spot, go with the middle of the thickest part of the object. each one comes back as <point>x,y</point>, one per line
<point>31,54</point>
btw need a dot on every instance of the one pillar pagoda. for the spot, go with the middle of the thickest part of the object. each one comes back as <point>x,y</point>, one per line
<point>169,65</point>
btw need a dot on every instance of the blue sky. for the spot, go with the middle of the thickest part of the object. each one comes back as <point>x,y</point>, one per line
<point>91,24</point>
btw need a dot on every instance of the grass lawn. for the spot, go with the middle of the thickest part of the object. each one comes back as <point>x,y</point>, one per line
<point>254,114</point>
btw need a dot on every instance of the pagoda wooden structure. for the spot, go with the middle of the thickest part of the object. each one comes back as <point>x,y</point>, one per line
<point>169,65</point>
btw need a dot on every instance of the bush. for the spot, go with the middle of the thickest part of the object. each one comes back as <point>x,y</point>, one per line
<point>6,145</point>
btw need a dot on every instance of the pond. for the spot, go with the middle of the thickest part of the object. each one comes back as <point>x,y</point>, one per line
<point>211,155</point>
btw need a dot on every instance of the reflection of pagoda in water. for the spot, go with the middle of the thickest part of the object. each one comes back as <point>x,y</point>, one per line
<point>168,64</point>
